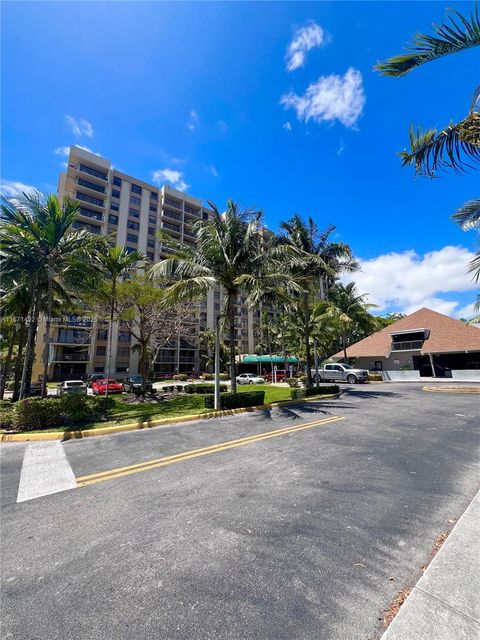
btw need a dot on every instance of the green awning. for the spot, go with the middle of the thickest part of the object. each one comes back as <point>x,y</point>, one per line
<point>269,359</point>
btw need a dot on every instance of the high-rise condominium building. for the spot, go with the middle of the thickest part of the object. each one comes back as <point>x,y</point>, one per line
<point>131,211</point>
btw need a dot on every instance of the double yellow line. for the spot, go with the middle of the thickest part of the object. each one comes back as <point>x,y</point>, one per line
<point>120,472</point>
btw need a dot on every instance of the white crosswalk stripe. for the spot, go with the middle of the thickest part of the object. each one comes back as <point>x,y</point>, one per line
<point>45,470</point>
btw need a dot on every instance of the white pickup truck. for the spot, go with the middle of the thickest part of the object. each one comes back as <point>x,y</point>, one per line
<point>340,371</point>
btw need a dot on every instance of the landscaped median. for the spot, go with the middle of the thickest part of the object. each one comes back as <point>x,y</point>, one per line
<point>125,416</point>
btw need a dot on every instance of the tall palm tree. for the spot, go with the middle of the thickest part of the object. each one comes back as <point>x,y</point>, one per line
<point>468,217</point>
<point>322,262</point>
<point>230,252</point>
<point>348,308</point>
<point>454,145</point>
<point>114,263</point>
<point>38,241</point>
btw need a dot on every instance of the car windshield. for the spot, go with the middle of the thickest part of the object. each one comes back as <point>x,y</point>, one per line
<point>74,383</point>
<point>347,366</point>
<point>136,378</point>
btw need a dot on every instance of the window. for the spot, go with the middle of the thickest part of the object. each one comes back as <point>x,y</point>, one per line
<point>122,368</point>
<point>151,244</point>
<point>115,193</point>
<point>134,200</point>
<point>153,196</point>
<point>123,336</point>
<point>216,306</point>
<point>130,249</point>
<point>101,351</point>
<point>112,219</point>
<point>117,181</point>
<point>133,225</point>
<point>153,207</point>
<point>151,231</point>
<point>134,213</point>
<point>150,256</point>
<point>102,334</point>
<point>123,351</point>
<point>114,206</point>
<point>152,219</point>
<point>205,215</point>
<point>131,237</point>
<point>136,188</point>
<point>98,369</point>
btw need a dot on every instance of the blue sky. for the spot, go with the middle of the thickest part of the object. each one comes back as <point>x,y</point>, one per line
<point>215,97</point>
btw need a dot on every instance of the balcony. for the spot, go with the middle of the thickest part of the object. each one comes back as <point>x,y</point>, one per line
<point>91,228</point>
<point>72,337</point>
<point>171,227</point>
<point>83,197</point>
<point>193,212</point>
<point>188,233</point>
<point>88,213</point>
<point>172,215</point>
<point>93,186</point>
<point>93,172</point>
<point>407,345</point>
<point>71,357</point>
<point>77,321</point>
<point>173,203</point>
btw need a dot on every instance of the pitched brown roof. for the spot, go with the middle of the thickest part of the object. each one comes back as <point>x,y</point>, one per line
<point>446,336</point>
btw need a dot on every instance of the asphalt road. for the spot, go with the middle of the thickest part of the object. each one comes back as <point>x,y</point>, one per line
<point>295,537</point>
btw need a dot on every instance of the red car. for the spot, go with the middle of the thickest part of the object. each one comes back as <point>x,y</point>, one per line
<point>99,387</point>
<point>281,375</point>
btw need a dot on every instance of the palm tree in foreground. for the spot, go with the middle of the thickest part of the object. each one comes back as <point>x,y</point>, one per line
<point>231,253</point>
<point>468,217</point>
<point>322,262</point>
<point>114,263</point>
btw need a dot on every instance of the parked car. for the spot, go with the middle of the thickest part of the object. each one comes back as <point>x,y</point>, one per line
<point>280,375</point>
<point>74,387</point>
<point>249,378</point>
<point>100,386</point>
<point>94,377</point>
<point>339,372</point>
<point>134,383</point>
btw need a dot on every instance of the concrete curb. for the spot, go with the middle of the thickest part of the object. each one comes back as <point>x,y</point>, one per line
<point>445,602</point>
<point>452,389</point>
<point>105,431</point>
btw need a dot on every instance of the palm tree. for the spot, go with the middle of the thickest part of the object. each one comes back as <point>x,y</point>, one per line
<point>431,150</point>
<point>114,263</point>
<point>39,242</point>
<point>322,262</point>
<point>230,252</point>
<point>349,308</point>
<point>468,217</point>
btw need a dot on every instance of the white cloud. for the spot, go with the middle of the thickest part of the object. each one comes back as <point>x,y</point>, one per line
<point>287,126</point>
<point>331,98</point>
<point>80,127</point>
<point>171,177</point>
<point>193,120</point>
<point>213,170</point>
<point>408,281</point>
<point>12,188</point>
<point>65,151</point>
<point>304,39</point>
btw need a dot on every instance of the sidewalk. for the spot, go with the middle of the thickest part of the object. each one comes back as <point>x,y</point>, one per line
<point>445,603</point>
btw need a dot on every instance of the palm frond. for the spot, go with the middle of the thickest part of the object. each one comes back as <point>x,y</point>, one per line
<point>474,267</point>
<point>468,216</point>
<point>454,34</point>
<point>431,151</point>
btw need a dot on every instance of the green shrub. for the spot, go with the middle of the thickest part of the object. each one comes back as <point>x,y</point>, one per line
<point>298,394</point>
<point>9,385</point>
<point>207,376</point>
<point>237,400</point>
<point>7,416</point>
<point>38,413</point>
<point>203,388</point>
<point>178,387</point>
<point>293,383</point>
<point>375,377</point>
<point>224,376</point>
<point>170,388</point>
<point>97,406</point>
<point>182,377</point>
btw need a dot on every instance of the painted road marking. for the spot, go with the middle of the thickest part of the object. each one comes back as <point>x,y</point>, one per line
<point>45,470</point>
<point>120,472</point>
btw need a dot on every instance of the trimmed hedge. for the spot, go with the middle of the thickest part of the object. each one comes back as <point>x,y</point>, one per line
<point>294,383</point>
<point>298,394</point>
<point>376,377</point>
<point>46,413</point>
<point>181,377</point>
<point>207,376</point>
<point>203,388</point>
<point>170,388</point>
<point>237,400</point>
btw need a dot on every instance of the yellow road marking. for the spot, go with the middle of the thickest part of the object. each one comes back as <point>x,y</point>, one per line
<point>452,389</point>
<point>120,472</point>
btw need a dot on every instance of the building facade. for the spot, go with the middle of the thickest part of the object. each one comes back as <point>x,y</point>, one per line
<point>131,212</point>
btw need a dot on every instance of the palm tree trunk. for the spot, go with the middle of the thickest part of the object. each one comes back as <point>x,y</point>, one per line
<point>143,369</point>
<point>8,359</point>
<point>231,323</point>
<point>17,376</point>
<point>308,354</point>
<point>48,324</point>
<point>109,343</point>
<point>344,344</point>
<point>30,346</point>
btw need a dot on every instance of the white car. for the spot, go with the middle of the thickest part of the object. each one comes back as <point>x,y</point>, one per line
<point>249,378</point>
<point>72,387</point>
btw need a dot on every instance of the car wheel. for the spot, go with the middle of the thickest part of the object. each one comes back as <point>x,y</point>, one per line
<point>250,382</point>
<point>351,379</point>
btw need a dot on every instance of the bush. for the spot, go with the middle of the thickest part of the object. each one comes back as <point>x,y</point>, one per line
<point>181,377</point>
<point>7,417</point>
<point>207,376</point>
<point>293,383</point>
<point>298,394</point>
<point>224,376</point>
<point>375,377</point>
<point>9,385</point>
<point>237,400</point>
<point>170,388</point>
<point>203,388</point>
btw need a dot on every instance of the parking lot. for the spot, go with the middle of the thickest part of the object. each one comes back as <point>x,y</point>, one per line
<point>301,522</point>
